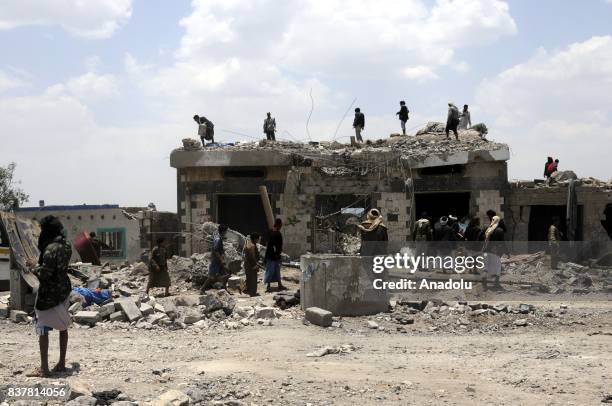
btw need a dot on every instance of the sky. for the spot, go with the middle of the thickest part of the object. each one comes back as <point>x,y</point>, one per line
<point>95,95</point>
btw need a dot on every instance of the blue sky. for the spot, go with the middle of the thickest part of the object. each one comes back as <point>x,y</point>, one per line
<point>102,93</point>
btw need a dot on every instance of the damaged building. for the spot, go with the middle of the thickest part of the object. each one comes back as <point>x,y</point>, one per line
<point>321,190</point>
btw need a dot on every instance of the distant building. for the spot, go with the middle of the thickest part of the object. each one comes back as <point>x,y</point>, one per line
<point>127,232</point>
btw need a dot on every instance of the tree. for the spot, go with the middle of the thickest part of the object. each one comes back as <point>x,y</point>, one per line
<point>11,195</point>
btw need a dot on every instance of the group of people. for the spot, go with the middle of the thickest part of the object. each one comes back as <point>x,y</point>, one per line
<point>455,121</point>
<point>448,232</point>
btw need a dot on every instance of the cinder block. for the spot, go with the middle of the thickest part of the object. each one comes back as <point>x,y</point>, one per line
<point>318,316</point>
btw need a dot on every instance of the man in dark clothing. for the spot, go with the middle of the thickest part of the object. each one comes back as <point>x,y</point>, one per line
<point>206,129</point>
<point>494,247</point>
<point>403,116</point>
<point>473,235</point>
<point>269,127</point>
<point>358,124</point>
<point>374,236</point>
<point>549,161</point>
<point>452,120</point>
<point>97,246</point>
<point>273,256</point>
<point>51,304</point>
<point>158,268</point>
<point>444,237</point>
<point>251,263</point>
<point>216,269</point>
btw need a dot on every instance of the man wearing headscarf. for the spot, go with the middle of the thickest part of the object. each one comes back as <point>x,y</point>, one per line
<point>373,234</point>
<point>158,268</point>
<point>52,297</point>
<point>494,247</point>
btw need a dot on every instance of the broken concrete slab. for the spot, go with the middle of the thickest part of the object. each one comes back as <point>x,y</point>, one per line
<point>318,316</point>
<point>18,316</point>
<point>173,398</point>
<point>4,311</point>
<point>191,316</point>
<point>129,308</point>
<point>106,310</point>
<point>187,300</point>
<point>87,317</point>
<point>145,309</point>
<point>117,316</point>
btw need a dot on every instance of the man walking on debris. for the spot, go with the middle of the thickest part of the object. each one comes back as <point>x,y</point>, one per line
<point>206,129</point>
<point>217,272</point>
<point>269,127</point>
<point>374,235</point>
<point>554,238</point>
<point>465,121</point>
<point>403,116</point>
<point>251,263</point>
<point>273,257</point>
<point>452,121</point>
<point>158,268</point>
<point>494,247</point>
<point>358,124</point>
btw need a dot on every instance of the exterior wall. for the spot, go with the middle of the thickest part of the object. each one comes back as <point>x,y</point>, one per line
<point>76,219</point>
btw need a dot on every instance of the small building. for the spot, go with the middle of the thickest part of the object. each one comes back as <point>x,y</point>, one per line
<point>127,233</point>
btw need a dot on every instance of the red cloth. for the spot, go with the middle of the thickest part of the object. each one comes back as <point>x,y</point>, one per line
<point>552,167</point>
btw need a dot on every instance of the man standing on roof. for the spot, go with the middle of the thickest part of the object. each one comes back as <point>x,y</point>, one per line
<point>403,116</point>
<point>358,124</point>
<point>452,121</point>
<point>206,129</point>
<point>269,127</point>
<point>549,161</point>
<point>465,120</point>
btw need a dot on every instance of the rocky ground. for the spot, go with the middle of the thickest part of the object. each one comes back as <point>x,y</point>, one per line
<point>447,353</point>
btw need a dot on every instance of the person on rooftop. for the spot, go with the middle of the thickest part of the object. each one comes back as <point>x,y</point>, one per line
<point>403,116</point>
<point>358,124</point>
<point>452,120</point>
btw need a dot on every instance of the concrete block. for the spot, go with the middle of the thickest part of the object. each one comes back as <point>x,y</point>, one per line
<point>145,309</point>
<point>319,316</point>
<point>75,308</point>
<point>106,310</point>
<point>87,317</point>
<point>4,311</point>
<point>117,316</point>
<point>130,309</point>
<point>191,316</point>
<point>18,316</point>
<point>341,284</point>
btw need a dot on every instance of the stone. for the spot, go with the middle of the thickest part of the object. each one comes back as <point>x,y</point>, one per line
<point>156,318</point>
<point>145,309</point>
<point>227,301</point>
<point>211,301</point>
<point>372,324</point>
<point>244,311</point>
<point>172,398</point>
<point>501,308</point>
<point>75,308</point>
<point>187,300</point>
<point>18,316</point>
<point>201,324</point>
<point>479,312</point>
<point>87,317</point>
<point>78,388</point>
<point>191,316</point>
<point>318,316</point>
<point>526,308</point>
<point>265,313</point>
<point>520,322</point>
<point>129,308</point>
<point>170,308</point>
<point>83,401</point>
<point>159,308</point>
<point>106,310</point>
<point>117,316</point>
<point>234,282</point>
<point>140,268</point>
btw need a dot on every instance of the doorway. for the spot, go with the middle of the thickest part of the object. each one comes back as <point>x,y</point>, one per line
<point>242,213</point>
<point>442,204</point>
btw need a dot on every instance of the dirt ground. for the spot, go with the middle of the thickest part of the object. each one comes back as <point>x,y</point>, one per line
<point>567,361</point>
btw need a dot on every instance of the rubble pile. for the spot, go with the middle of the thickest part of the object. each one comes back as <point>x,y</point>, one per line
<point>568,278</point>
<point>429,142</point>
<point>190,144</point>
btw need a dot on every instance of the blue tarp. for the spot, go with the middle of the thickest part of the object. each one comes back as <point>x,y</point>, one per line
<point>96,296</point>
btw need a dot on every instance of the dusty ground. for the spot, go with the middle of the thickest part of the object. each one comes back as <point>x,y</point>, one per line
<point>565,361</point>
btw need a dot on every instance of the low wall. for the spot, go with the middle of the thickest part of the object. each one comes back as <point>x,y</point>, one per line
<point>341,284</point>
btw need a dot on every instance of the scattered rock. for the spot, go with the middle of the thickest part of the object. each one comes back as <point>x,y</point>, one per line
<point>319,316</point>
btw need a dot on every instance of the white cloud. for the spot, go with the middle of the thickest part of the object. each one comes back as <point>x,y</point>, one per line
<point>8,82</point>
<point>555,103</point>
<point>92,18</point>
<point>419,73</point>
<point>92,86</point>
